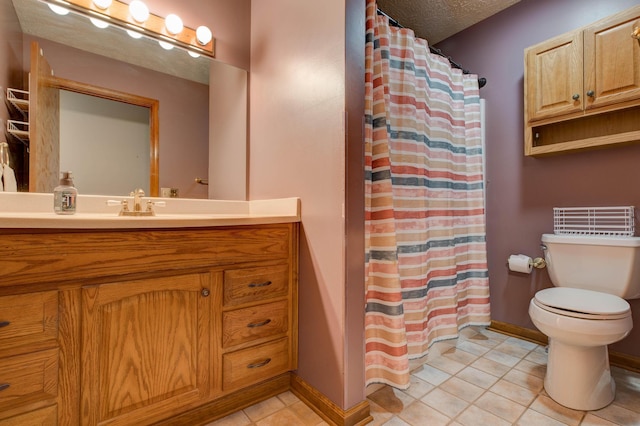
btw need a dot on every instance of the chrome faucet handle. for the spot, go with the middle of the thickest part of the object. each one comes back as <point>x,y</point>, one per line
<point>151,204</point>
<point>124,204</point>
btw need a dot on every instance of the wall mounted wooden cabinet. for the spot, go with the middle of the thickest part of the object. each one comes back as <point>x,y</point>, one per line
<point>582,89</point>
<point>140,327</point>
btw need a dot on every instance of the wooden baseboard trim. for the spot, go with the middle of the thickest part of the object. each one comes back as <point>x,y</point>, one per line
<point>327,409</point>
<point>231,403</point>
<point>358,415</point>
<point>516,331</point>
<point>628,362</point>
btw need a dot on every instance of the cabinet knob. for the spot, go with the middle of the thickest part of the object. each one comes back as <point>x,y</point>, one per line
<point>4,386</point>
<point>636,33</point>
<point>591,93</point>
<point>4,324</point>
<point>576,96</point>
<point>204,292</point>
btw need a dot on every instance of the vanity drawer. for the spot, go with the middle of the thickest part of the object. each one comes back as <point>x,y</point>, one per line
<point>25,378</point>
<point>47,416</point>
<point>248,285</point>
<point>249,324</point>
<point>26,319</point>
<point>254,364</point>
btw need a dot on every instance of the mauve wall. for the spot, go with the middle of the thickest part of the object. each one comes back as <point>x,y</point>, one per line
<point>229,22</point>
<point>11,74</point>
<point>522,191</point>
<point>297,149</point>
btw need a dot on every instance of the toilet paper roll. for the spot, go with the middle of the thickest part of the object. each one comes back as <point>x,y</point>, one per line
<point>520,263</point>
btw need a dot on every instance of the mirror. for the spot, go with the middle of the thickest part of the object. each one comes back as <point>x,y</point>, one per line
<point>179,83</point>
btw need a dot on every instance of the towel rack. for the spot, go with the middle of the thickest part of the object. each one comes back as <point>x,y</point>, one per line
<point>4,154</point>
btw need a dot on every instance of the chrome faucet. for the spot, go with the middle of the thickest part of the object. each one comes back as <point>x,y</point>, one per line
<point>138,202</point>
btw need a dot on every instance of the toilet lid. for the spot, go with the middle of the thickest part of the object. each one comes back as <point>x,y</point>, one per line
<point>582,303</point>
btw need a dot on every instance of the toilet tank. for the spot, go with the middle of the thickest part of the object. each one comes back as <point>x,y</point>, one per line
<point>600,263</point>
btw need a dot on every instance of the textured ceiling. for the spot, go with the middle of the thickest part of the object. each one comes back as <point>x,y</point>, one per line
<point>435,20</point>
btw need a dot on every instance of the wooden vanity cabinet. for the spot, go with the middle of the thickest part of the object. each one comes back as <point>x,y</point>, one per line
<point>256,320</point>
<point>582,88</point>
<point>28,358</point>
<point>146,347</point>
<point>139,327</point>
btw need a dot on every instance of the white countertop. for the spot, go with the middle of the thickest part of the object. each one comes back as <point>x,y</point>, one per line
<point>34,210</point>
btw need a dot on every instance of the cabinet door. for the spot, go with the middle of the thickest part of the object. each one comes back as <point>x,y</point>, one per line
<point>553,77</point>
<point>612,60</point>
<point>146,348</point>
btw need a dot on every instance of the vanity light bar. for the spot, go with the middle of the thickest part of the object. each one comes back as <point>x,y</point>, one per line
<point>117,14</point>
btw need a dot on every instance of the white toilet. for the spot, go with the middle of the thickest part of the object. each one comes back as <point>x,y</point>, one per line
<point>584,313</point>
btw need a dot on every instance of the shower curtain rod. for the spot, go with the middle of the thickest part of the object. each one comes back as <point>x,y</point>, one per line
<point>481,80</point>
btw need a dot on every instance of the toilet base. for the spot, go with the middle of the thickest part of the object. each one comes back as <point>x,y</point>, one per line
<point>579,377</point>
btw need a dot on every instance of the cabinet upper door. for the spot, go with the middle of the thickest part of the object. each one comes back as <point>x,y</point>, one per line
<point>145,349</point>
<point>612,60</point>
<point>553,77</point>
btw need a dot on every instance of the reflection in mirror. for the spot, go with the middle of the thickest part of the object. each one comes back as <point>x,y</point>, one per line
<point>104,143</point>
<point>36,19</point>
<point>108,139</point>
<point>194,126</point>
<point>89,131</point>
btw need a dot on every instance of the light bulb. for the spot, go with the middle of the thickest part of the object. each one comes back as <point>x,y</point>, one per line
<point>58,9</point>
<point>139,11</point>
<point>98,23</point>
<point>165,45</point>
<point>193,54</point>
<point>203,35</point>
<point>173,23</point>
<point>134,34</point>
<point>102,4</point>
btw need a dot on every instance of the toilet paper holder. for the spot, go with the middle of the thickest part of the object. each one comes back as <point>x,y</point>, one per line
<point>526,266</point>
<point>539,263</point>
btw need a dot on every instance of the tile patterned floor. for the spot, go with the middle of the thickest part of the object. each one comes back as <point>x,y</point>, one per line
<point>282,410</point>
<point>482,378</point>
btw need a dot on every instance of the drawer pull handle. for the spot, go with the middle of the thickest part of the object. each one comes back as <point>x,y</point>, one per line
<point>4,323</point>
<point>264,284</point>
<point>4,386</point>
<point>259,324</point>
<point>259,364</point>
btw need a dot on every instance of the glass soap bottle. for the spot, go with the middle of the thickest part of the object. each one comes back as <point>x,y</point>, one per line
<point>64,195</point>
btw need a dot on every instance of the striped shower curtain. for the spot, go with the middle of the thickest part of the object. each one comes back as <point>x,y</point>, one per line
<point>426,270</point>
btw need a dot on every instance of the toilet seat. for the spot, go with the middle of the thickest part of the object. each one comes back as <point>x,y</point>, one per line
<point>580,303</point>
